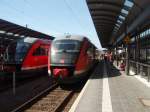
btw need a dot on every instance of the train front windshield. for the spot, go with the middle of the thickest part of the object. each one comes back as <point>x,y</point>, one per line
<point>65,51</point>
<point>16,51</point>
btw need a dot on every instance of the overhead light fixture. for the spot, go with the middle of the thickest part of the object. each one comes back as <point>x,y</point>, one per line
<point>124,11</point>
<point>9,33</point>
<point>117,28</point>
<point>1,31</point>
<point>121,17</point>
<point>16,35</point>
<point>22,36</point>
<point>118,21</point>
<point>118,25</point>
<point>128,3</point>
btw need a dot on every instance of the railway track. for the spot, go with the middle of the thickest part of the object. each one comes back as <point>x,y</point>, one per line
<point>53,99</point>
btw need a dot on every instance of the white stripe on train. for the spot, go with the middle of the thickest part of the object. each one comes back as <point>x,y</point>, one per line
<point>35,67</point>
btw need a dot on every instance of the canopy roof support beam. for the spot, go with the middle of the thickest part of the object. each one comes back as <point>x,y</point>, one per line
<point>144,16</point>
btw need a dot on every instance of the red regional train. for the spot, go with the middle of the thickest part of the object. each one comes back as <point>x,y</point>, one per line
<point>26,55</point>
<point>70,58</point>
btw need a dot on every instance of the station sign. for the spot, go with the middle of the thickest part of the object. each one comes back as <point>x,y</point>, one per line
<point>127,39</point>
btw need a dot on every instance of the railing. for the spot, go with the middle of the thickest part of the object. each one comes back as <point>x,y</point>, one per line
<point>140,68</point>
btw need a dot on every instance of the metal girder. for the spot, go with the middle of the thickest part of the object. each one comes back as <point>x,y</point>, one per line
<point>4,26</point>
<point>8,36</point>
<point>104,2</point>
<point>104,27</point>
<point>104,10</point>
<point>8,26</point>
<point>104,21</point>
<point>104,31</point>
<point>144,16</point>
<point>12,29</point>
<point>104,14</point>
<point>35,34</point>
<point>104,18</point>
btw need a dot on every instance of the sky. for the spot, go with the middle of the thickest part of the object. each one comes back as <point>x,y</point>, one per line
<point>53,17</point>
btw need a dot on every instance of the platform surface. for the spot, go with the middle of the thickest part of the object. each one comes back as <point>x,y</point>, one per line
<point>108,90</point>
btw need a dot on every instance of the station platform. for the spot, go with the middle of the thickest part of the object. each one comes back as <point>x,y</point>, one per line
<point>109,90</point>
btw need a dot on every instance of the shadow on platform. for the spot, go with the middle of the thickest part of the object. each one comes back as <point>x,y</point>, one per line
<point>111,70</point>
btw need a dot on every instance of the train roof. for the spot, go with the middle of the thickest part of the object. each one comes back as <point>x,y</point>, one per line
<point>29,39</point>
<point>32,39</point>
<point>71,37</point>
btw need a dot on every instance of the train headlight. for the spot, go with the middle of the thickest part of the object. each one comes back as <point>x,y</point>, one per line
<point>53,52</point>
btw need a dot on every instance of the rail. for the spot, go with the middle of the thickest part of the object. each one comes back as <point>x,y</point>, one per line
<point>34,99</point>
<point>53,99</point>
<point>140,66</point>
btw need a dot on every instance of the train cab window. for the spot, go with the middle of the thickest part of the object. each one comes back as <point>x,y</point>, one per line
<point>16,51</point>
<point>40,51</point>
<point>65,49</point>
<point>21,50</point>
<point>68,45</point>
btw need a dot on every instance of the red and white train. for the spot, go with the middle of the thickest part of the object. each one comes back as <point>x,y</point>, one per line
<point>70,58</point>
<point>26,55</point>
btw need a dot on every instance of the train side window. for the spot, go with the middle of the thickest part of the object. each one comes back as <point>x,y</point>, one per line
<point>40,51</point>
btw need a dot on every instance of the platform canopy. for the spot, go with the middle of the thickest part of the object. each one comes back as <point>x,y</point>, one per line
<point>113,17</point>
<point>10,32</point>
